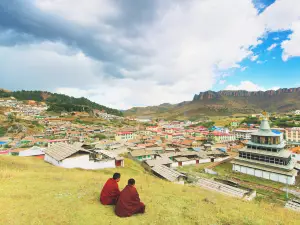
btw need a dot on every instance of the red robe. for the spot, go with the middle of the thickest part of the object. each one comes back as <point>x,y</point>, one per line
<point>129,203</point>
<point>110,192</point>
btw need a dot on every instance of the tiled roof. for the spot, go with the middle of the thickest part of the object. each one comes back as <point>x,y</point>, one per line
<point>61,151</point>
<point>167,172</point>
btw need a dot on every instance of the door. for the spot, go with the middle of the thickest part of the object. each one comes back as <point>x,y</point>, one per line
<point>179,163</point>
<point>118,163</point>
<point>197,161</point>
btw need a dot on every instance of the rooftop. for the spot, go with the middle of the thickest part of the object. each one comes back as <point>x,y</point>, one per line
<point>167,172</point>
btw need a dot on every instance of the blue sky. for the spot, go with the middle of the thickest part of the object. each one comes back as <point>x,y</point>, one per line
<point>125,53</point>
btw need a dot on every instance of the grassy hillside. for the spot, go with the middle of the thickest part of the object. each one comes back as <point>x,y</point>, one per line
<point>33,192</point>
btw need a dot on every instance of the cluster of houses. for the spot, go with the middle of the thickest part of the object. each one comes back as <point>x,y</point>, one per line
<point>22,109</point>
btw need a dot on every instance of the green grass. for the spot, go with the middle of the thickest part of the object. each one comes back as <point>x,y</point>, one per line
<point>34,192</point>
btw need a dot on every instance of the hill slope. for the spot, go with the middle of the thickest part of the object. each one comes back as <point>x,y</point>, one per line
<point>59,102</point>
<point>227,103</point>
<point>33,192</point>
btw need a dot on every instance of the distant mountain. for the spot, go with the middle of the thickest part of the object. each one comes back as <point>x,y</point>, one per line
<point>226,103</point>
<point>59,102</point>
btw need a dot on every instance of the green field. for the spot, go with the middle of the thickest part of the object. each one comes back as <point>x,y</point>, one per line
<point>34,192</point>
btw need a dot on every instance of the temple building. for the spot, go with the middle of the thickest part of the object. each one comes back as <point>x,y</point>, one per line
<point>265,156</point>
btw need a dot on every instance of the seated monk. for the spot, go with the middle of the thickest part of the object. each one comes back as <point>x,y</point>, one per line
<point>129,202</point>
<point>110,192</point>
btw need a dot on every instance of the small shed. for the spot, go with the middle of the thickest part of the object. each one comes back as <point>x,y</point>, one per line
<point>168,174</point>
<point>34,151</point>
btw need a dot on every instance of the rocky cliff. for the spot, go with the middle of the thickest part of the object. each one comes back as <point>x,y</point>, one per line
<point>218,95</point>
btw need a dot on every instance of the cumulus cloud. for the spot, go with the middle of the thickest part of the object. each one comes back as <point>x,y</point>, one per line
<point>125,53</point>
<point>285,15</point>
<point>246,86</point>
<point>249,86</point>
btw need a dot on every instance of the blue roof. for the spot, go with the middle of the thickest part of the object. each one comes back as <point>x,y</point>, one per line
<point>222,149</point>
<point>276,132</point>
<point>197,149</point>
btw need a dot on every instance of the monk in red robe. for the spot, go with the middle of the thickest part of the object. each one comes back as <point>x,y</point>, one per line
<point>129,201</point>
<point>110,192</point>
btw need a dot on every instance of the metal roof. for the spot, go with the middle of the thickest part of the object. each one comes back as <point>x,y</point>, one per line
<point>167,172</point>
<point>61,151</point>
<point>158,161</point>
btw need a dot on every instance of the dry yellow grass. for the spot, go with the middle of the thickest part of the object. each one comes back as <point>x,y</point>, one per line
<point>33,192</point>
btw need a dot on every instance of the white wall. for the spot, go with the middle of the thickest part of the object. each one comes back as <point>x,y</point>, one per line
<point>204,160</point>
<point>191,162</point>
<point>174,164</point>
<point>83,162</point>
<point>265,174</point>
<point>49,159</point>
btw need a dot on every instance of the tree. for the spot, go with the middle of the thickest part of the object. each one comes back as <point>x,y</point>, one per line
<point>100,136</point>
<point>11,117</point>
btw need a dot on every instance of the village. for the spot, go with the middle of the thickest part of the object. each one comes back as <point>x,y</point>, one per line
<point>202,153</point>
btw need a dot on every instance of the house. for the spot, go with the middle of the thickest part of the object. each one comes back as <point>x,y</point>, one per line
<point>168,174</point>
<point>124,136</point>
<point>222,137</point>
<point>148,164</point>
<point>55,141</point>
<point>142,155</point>
<point>243,134</point>
<point>34,151</point>
<point>73,156</point>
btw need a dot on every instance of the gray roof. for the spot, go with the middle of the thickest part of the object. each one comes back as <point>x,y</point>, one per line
<point>110,154</point>
<point>155,148</point>
<point>61,151</point>
<point>167,172</point>
<point>137,153</point>
<point>181,159</point>
<point>158,161</point>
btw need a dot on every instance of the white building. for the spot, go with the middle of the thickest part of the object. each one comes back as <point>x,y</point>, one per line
<point>265,156</point>
<point>243,134</point>
<point>293,134</point>
<point>73,156</point>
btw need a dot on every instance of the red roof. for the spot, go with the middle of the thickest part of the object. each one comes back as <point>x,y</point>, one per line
<point>124,132</point>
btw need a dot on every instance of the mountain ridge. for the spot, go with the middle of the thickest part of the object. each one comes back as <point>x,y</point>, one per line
<point>226,102</point>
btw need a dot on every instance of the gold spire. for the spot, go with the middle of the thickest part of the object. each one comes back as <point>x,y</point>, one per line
<point>265,115</point>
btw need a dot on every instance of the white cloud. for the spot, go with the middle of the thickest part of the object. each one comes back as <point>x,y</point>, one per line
<point>245,85</point>
<point>285,15</point>
<point>291,47</point>
<point>222,82</point>
<point>249,86</point>
<point>275,88</point>
<point>87,12</point>
<point>188,47</point>
<point>272,46</point>
<point>244,68</point>
<point>254,58</point>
